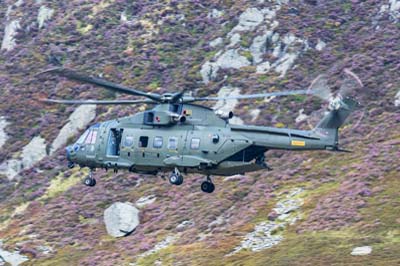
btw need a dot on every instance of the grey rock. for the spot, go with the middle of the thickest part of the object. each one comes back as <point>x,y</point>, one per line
<point>215,13</point>
<point>320,45</point>
<point>258,47</point>
<point>10,31</point>
<point>121,219</point>
<point>144,201</point>
<point>44,15</point>
<point>235,39</point>
<point>397,99</point>
<point>216,42</point>
<point>13,258</point>
<point>392,8</point>
<point>249,20</point>
<point>32,153</point>
<point>229,59</point>
<point>301,117</point>
<point>263,68</point>
<point>185,224</point>
<point>3,134</point>
<point>208,71</point>
<point>361,251</point>
<point>265,234</point>
<point>160,245</point>
<point>232,59</point>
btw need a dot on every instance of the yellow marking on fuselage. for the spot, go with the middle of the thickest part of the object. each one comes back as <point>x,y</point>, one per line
<point>298,143</point>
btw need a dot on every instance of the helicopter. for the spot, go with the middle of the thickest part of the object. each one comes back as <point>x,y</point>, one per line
<point>181,136</point>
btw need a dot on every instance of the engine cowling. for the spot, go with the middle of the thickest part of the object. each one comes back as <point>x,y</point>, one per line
<point>224,115</point>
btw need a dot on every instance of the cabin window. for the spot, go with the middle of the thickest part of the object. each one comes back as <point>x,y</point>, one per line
<point>195,144</point>
<point>143,141</point>
<point>128,141</point>
<point>157,142</point>
<point>173,143</point>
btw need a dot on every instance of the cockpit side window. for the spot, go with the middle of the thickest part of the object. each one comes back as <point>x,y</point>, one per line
<point>82,137</point>
<point>91,137</point>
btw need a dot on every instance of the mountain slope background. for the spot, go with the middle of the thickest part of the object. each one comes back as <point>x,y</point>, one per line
<point>334,201</point>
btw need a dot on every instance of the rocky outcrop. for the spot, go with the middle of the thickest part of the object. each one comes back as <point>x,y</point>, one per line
<point>160,245</point>
<point>31,154</point>
<point>44,15</point>
<point>144,201</point>
<point>10,31</point>
<point>281,50</point>
<point>397,99</point>
<point>265,234</point>
<point>229,59</point>
<point>3,134</point>
<point>249,20</point>
<point>12,258</point>
<point>121,219</point>
<point>392,7</point>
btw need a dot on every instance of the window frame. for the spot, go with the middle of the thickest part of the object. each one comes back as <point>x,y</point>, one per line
<point>131,142</point>
<point>83,137</point>
<point>140,145</point>
<point>198,143</point>
<point>175,139</point>
<point>91,137</point>
<point>160,140</point>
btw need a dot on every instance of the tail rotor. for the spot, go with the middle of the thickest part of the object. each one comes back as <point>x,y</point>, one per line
<point>335,97</point>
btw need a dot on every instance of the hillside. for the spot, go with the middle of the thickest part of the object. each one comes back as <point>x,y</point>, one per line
<point>314,208</point>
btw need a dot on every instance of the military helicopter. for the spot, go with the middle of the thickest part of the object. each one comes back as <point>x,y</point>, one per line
<point>180,136</point>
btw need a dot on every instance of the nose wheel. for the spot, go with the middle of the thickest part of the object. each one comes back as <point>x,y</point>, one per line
<point>89,180</point>
<point>71,165</point>
<point>176,178</point>
<point>207,186</point>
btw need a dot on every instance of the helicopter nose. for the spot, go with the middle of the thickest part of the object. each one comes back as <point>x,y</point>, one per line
<point>68,152</point>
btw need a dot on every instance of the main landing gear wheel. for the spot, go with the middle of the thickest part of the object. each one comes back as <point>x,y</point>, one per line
<point>207,186</point>
<point>175,179</point>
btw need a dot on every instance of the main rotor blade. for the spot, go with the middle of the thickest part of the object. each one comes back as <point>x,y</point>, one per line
<point>98,101</point>
<point>68,73</point>
<point>248,96</point>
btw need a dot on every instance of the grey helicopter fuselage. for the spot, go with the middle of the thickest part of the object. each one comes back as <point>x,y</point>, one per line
<point>192,139</point>
<point>180,136</point>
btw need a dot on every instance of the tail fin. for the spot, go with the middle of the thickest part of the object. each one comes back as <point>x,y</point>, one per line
<point>340,110</point>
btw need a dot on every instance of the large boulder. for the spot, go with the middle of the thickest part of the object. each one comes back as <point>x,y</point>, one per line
<point>121,219</point>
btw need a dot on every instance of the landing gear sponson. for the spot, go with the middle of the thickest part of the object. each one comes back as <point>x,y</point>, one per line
<point>176,179</point>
